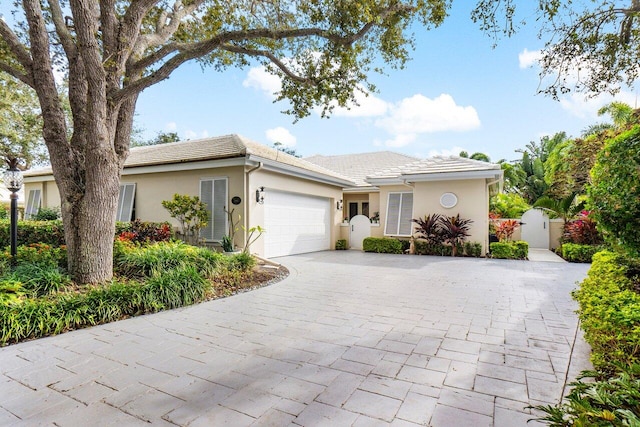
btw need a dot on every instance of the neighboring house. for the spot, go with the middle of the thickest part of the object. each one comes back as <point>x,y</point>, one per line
<point>294,200</point>
<point>403,191</point>
<point>301,203</point>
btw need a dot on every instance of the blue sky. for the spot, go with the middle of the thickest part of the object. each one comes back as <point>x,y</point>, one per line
<point>457,93</point>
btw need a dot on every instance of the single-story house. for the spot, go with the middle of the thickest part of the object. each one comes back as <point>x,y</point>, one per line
<point>301,203</point>
<point>398,188</point>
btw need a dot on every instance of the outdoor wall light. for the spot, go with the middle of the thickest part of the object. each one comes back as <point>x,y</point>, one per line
<point>339,205</point>
<point>13,181</point>
<point>260,195</point>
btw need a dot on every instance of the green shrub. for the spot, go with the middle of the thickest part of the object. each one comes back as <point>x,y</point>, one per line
<point>382,245</point>
<point>520,249</point>
<point>242,261</point>
<point>40,279</point>
<point>174,288</point>
<point>150,260</point>
<point>574,252</point>
<point>423,247</point>
<point>509,250</point>
<point>341,244</point>
<point>11,291</point>
<point>473,249</point>
<point>47,232</point>
<point>610,312</point>
<point>47,214</point>
<point>501,250</point>
<point>613,193</point>
<point>610,316</point>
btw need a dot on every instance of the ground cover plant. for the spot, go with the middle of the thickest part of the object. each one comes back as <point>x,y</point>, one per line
<point>38,297</point>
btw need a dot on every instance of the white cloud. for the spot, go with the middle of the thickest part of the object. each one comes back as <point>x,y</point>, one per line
<point>191,134</point>
<point>259,78</point>
<point>401,140</point>
<point>171,127</point>
<point>419,114</point>
<point>366,105</point>
<point>454,151</point>
<point>528,58</point>
<point>281,135</point>
<point>587,108</point>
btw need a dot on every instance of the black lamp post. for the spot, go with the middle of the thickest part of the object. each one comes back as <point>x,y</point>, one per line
<point>13,181</point>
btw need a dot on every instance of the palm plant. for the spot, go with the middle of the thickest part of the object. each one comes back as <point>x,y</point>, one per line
<point>565,208</point>
<point>455,230</point>
<point>430,228</point>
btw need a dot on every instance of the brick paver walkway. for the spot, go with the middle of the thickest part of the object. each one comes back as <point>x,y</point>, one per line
<point>349,339</point>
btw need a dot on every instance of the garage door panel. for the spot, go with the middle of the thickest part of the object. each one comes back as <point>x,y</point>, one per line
<point>295,224</point>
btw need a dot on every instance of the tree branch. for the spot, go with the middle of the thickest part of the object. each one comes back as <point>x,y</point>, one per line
<point>61,29</point>
<point>17,48</point>
<point>12,71</point>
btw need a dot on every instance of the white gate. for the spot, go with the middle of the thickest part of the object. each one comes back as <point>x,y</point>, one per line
<point>535,228</point>
<point>360,230</point>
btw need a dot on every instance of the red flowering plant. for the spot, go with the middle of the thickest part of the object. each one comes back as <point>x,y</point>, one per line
<point>505,229</point>
<point>582,230</point>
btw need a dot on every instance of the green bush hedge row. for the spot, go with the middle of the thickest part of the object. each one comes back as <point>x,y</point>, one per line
<point>509,250</point>
<point>610,311</point>
<point>382,245</point>
<point>389,245</point>
<point>52,232</point>
<point>610,316</point>
<point>574,252</point>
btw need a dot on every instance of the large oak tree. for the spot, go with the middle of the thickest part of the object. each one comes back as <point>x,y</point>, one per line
<point>112,50</point>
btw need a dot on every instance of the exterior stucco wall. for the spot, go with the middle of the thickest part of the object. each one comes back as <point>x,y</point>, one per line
<point>275,181</point>
<point>473,203</point>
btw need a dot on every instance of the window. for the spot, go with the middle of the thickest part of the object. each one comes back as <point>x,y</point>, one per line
<point>126,199</point>
<point>213,193</point>
<point>33,204</point>
<point>399,214</point>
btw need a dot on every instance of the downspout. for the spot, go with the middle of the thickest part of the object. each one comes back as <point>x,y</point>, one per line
<point>410,185</point>
<point>247,197</point>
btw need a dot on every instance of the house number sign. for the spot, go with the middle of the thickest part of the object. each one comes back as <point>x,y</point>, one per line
<point>236,200</point>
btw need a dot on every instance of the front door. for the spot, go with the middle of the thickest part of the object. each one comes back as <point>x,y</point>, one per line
<point>360,230</point>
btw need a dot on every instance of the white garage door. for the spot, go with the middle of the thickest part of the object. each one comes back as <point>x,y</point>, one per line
<point>295,224</point>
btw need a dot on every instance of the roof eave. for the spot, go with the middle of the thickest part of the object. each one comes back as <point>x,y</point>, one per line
<point>275,166</point>
<point>438,176</point>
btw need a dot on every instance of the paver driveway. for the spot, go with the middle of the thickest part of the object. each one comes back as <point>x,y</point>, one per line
<point>348,339</point>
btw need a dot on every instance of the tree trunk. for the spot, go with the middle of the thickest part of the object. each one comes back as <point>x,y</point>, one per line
<point>89,222</point>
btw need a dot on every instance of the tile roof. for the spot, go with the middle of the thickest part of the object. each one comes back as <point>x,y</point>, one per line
<point>435,165</point>
<point>359,166</point>
<point>216,148</point>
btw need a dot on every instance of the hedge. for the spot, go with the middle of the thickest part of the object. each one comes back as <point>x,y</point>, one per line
<point>610,311</point>
<point>382,245</point>
<point>574,252</point>
<point>52,232</point>
<point>509,250</point>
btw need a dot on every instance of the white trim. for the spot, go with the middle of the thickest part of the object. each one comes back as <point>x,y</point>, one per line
<point>299,172</point>
<point>184,166</point>
<point>439,176</point>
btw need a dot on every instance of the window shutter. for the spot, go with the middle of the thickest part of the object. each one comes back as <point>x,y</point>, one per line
<point>213,193</point>
<point>399,214</point>
<point>406,214</point>
<point>206,197</point>
<point>219,204</point>
<point>393,214</point>
<point>125,202</point>
<point>33,204</point>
